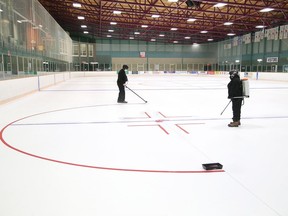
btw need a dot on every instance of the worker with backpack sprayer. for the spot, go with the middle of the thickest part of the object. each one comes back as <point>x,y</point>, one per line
<point>237,90</point>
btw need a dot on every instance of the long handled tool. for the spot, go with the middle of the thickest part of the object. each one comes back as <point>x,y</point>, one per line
<point>225,107</point>
<point>136,94</point>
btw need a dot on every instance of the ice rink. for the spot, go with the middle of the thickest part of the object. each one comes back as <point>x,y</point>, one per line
<point>71,149</point>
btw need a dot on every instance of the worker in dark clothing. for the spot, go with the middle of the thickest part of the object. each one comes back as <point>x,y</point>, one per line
<point>121,82</point>
<point>235,93</point>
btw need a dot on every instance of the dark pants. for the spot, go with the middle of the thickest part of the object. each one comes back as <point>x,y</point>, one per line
<point>236,108</point>
<point>121,96</point>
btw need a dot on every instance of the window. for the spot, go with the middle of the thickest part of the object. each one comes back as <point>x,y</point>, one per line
<point>75,49</point>
<point>90,48</point>
<point>83,48</point>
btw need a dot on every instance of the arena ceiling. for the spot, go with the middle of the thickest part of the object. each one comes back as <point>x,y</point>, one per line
<point>169,21</point>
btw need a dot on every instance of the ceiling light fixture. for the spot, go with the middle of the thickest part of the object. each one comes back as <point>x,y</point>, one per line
<point>153,39</point>
<point>187,37</point>
<point>231,34</point>
<point>220,5</point>
<point>174,29</point>
<point>172,0</point>
<point>204,32</point>
<point>264,10</point>
<point>210,39</point>
<point>77,5</point>
<point>81,17</point>
<point>83,26</point>
<point>260,26</point>
<point>144,26</point>
<point>228,23</point>
<point>85,32</point>
<point>113,23</point>
<point>191,20</point>
<point>155,16</point>
<point>116,12</point>
<point>161,35</point>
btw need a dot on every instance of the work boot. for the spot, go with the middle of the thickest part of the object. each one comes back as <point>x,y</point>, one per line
<point>234,124</point>
<point>239,123</point>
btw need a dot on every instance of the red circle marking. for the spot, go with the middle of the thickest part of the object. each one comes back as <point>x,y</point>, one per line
<point>91,166</point>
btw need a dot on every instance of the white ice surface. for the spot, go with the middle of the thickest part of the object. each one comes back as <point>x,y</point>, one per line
<point>71,150</point>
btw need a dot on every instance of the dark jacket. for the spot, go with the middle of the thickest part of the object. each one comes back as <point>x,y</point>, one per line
<point>235,87</point>
<point>122,78</point>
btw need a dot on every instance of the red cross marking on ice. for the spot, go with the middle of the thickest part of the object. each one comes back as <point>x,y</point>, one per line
<point>160,121</point>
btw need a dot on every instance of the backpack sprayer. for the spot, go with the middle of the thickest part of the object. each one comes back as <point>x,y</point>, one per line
<point>245,92</point>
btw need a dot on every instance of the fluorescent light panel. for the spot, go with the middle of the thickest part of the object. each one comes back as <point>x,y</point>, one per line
<point>116,12</point>
<point>77,5</point>
<point>266,10</point>
<point>220,5</point>
<point>191,20</point>
<point>228,23</point>
<point>260,26</point>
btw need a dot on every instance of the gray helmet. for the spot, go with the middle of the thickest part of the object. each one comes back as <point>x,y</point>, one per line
<point>233,73</point>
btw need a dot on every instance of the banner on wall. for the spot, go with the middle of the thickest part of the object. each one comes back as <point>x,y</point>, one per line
<point>259,36</point>
<point>227,46</point>
<point>285,34</point>
<point>142,54</point>
<point>281,33</point>
<point>272,59</point>
<point>272,34</point>
<point>247,38</point>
